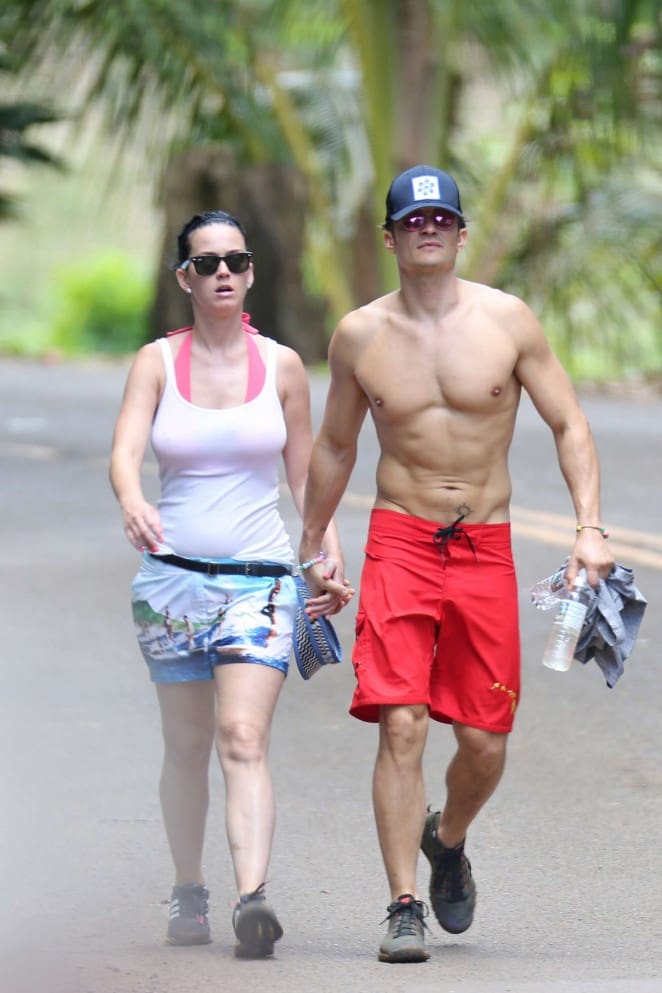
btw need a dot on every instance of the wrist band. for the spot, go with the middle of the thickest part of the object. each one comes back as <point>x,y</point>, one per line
<point>592,527</point>
<point>311,562</point>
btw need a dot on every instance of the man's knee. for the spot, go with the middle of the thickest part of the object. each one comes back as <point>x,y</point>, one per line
<point>484,750</point>
<point>403,729</point>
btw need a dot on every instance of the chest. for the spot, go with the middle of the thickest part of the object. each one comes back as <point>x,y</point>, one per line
<point>460,369</point>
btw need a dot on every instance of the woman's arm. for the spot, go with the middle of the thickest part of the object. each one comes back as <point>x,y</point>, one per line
<point>142,393</point>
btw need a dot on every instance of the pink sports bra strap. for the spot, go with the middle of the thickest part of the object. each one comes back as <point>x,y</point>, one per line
<point>183,367</point>
<point>256,368</point>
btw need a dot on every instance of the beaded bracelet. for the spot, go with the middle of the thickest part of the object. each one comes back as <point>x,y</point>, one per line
<point>311,562</point>
<point>592,527</point>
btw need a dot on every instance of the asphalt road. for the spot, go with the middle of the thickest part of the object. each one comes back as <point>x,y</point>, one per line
<point>566,855</point>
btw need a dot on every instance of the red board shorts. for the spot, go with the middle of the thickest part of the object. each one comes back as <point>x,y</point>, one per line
<point>438,626</point>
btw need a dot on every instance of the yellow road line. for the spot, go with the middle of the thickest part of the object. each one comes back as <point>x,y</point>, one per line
<point>627,545</point>
<point>627,535</point>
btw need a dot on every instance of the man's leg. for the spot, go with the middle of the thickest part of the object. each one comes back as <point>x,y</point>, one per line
<point>471,778</point>
<point>399,801</point>
<point>399,793</point>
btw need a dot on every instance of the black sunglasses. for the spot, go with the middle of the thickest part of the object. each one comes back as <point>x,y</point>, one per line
<point>207,265</point>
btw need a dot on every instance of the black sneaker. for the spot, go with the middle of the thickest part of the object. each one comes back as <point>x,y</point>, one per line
<point>405,940</point>
<point>255,925</point>
<point>188,924</point>
<point>452,890</point>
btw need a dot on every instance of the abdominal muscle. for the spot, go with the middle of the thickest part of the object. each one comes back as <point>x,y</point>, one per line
<point>444,474</point>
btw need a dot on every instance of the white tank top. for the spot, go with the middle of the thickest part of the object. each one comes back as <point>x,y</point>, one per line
<point>219,473</point>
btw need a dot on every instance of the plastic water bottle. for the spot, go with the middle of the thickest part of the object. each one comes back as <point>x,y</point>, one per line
<point>567,625</point>
<point>548,593</point>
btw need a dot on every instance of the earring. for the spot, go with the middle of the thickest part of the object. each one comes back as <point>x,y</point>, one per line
<point>189,290</point>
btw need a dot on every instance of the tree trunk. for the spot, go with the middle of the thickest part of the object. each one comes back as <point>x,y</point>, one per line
<point>270,201</point>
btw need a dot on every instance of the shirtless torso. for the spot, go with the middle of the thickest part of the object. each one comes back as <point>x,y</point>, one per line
<point>443,399</point>
<point>440,364</point>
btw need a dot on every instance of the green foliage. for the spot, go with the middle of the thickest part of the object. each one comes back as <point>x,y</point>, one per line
<point>101,305</point>
<point>15,121</point>
<point>549,115</point>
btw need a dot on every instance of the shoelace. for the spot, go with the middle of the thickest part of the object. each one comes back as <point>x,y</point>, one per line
<point>443,536</point>
<point>194,903</point>
<point>258,895</point>
<point>408,914</point>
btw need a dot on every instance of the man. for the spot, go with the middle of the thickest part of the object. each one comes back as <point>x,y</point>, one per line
<point>440,364</point>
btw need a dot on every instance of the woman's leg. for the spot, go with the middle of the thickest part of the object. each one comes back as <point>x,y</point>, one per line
<point>247,696</point>
<point>188,722</point>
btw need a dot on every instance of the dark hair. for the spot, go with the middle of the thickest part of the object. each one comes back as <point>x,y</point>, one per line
<point>201,221</point>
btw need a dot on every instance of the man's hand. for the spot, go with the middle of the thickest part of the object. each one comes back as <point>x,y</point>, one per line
<point>329,589</point>
<point>592,553</point>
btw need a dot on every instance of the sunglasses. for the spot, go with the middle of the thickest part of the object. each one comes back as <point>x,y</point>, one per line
<point>441,220</point>
<point>207,265</point>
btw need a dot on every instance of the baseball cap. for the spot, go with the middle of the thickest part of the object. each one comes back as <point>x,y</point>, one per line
<point>422,186</point>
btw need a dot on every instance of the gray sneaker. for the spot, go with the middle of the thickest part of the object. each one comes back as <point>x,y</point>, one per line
<point>188,923</point>
<point>405,940</point>
<point>255,925</point>
<point>452,889</point>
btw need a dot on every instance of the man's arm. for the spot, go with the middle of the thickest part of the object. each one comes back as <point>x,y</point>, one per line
<point>547,383</point>
<point>334,450</point>
<point>294,394</point>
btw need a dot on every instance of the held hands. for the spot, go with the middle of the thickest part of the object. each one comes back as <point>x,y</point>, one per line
<point>328,586</point>
<point>142,525</point>
<point>592,553</point>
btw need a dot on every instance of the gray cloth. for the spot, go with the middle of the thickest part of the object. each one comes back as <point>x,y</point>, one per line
<point>612,623</point>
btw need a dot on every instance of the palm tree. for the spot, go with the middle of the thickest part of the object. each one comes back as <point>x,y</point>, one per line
<point>16,119</point>
<point>353,90</point>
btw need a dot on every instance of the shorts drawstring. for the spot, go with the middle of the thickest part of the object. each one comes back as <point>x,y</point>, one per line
<point>444,535</point>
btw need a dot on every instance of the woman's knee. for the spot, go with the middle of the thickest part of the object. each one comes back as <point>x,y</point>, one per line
<point>188,748</point>
<point>241,741</point>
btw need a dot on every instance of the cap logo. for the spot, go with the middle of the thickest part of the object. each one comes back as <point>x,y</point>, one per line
<point>426,188</point>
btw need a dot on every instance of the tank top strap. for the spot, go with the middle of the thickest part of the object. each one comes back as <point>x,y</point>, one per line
<point>168,361</point>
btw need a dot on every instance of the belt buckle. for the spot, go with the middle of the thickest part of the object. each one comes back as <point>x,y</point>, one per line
<point>212,569</point>
<point>249,569</point>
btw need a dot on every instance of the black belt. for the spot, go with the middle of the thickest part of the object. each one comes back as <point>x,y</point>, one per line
<point>224,568</point>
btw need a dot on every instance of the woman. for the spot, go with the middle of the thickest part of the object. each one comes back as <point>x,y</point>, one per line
<point>214,601</point>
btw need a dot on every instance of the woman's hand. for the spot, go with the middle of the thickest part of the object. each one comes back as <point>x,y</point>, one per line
<point>142,526</point>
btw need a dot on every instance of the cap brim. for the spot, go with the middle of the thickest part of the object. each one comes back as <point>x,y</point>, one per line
<point>420,204</point>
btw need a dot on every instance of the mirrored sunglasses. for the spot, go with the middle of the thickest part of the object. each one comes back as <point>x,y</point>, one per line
<point>441,220</point>
<point>207,265</point>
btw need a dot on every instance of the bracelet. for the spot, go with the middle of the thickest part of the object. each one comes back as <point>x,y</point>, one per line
<point>311,562</point>
<point>592,527</point>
